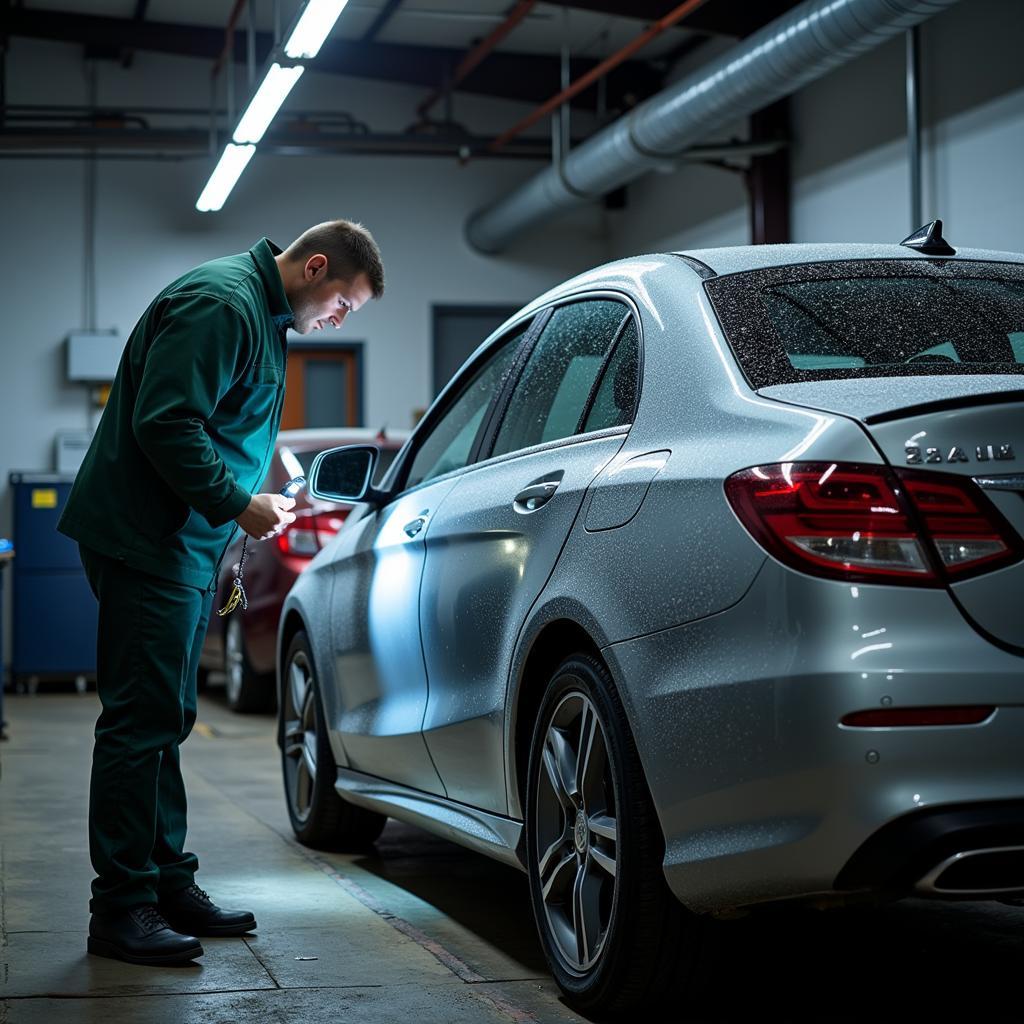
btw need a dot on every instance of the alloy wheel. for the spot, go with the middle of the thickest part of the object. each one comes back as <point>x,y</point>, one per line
<point>300,738</point>
<point>577,832</point>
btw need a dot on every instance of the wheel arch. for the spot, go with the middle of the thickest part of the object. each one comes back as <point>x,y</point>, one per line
<point>556,641</point>
<point>291,623</point>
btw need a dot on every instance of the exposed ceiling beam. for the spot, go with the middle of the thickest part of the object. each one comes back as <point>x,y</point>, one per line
<point>720,17</point>
<point>517,76</point>
<point>381,20</point>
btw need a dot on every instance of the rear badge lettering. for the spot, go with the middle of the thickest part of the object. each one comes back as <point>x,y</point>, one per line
<point>982,453</point>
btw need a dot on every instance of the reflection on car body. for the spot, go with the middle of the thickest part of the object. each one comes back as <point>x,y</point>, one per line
<point>242,646</point>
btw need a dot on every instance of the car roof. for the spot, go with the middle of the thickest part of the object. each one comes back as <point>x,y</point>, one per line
<point>629,274</point>
<point>736,258</point>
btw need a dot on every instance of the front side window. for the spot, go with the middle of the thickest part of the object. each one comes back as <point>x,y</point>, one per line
<point>449,443</point>
<point>873,318</point>
<point>549,400</point>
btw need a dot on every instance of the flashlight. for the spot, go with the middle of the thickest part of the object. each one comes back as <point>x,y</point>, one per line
<point>293,487</point>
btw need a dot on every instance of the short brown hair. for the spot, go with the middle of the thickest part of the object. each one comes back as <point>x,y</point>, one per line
<point>349,248</point>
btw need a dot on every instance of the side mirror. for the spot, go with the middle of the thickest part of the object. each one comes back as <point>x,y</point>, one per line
<point>343,474</point>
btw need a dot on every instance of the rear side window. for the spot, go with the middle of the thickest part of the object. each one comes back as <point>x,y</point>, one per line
<point>616,395</point>
<point>549,400</point>
<point>873,318</point>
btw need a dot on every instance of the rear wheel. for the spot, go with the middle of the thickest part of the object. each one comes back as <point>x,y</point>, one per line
<point>614,935</point>
<point>319,817</point>
<point>246,689</point>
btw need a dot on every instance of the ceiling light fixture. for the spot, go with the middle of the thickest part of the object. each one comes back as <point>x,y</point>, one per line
<point>309,30</point>
<point>313,27</point>
<point>266,102</point>
<point>228,170</point>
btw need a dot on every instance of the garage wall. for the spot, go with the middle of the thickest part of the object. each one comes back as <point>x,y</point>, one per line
<point>849,157</point>
<point>148,232</point>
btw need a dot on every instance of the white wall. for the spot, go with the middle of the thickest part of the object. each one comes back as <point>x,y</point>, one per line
<point>849,155</point>
<point>148,232</point>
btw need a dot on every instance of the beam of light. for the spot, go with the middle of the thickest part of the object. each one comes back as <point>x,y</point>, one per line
<point>228,170</point>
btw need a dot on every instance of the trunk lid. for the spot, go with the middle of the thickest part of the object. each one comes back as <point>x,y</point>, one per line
<point>965,425</point>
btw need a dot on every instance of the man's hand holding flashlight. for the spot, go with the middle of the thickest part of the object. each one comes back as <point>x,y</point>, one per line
<point>266,515</point>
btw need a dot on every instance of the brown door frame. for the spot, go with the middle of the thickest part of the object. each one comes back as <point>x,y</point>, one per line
<point>299,353</point>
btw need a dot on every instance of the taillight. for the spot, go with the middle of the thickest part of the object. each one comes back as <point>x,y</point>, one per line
<point>967,531</point>
<point>870,523</point>
<point>310,532</point>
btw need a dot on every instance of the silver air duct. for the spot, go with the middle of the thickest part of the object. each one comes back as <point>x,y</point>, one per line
<point>780,59</point>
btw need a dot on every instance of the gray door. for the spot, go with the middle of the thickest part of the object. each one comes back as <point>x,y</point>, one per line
<point>493,544</point>
<point>375,599</point>
<point>458,331</point>
<point>382,685</point>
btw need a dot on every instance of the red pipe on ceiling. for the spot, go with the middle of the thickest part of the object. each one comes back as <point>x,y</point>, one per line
<point>478,52</point>
<point>670,19</point>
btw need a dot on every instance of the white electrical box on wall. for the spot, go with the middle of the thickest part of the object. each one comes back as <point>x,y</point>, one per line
<point>93,355</point>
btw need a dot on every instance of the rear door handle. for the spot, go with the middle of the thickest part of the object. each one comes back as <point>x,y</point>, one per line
<point>531,498</point>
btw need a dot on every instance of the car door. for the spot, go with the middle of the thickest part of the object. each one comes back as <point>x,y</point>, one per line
<point>496,538</point>
<point>379,671</point>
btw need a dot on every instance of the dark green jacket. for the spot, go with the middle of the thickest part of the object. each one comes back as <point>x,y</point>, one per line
<point>189,428</point>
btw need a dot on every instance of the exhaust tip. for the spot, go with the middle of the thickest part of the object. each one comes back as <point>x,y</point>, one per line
<point>986,873</point>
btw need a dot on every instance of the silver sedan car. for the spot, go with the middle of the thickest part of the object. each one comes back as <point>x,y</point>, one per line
<point>699,588</point>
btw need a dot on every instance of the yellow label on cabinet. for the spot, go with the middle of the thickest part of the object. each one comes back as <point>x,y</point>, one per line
<point>44,497</point>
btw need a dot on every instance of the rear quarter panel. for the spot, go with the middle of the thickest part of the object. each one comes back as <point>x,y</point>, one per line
<point>684,555</point>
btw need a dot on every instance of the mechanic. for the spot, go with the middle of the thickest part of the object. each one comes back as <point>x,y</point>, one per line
<point>186,436</point>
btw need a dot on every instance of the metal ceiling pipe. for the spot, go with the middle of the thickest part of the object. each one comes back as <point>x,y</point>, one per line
<point>779,59</point>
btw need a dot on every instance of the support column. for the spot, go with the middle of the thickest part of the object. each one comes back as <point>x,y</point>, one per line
<point>768,179</point>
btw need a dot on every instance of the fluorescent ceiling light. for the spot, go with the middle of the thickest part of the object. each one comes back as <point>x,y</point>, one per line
<point>266,103</point>
<point>313,27</point>
<point>228,170</point>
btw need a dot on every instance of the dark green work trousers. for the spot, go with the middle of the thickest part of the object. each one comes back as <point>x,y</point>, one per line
<point>150,634</point>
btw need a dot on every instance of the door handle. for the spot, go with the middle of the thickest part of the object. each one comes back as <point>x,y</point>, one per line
<point>531,498</point>
<point>416,525</point>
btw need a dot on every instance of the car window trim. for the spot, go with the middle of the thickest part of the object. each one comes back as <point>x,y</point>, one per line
<point>496,413</point>
<point>486,449</point>
<point>596,385</point>
<point>427,424</point>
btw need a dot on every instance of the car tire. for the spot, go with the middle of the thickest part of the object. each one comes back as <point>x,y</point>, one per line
<point>594,855</point>
<point>246,690</point>
<point>320,818</point>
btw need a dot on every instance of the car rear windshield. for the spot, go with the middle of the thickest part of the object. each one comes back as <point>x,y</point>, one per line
<point>873,318</point>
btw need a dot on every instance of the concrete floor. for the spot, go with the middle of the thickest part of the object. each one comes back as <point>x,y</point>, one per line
<point>420,932</point>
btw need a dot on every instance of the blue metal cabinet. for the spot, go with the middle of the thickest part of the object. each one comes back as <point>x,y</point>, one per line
<point>54,614</point>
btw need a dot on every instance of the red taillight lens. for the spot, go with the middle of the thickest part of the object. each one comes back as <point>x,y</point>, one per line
<point>871,524</point>
<point>967,531</point>
<point>310,532</point>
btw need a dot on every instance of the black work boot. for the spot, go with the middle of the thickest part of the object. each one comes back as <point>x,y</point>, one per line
<point>193,911</point>
<point>140,935</point>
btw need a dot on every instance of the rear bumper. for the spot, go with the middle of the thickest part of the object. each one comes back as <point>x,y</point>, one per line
<point>761,793</point>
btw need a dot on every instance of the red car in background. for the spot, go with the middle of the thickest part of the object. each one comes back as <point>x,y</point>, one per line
<point>242,645</point>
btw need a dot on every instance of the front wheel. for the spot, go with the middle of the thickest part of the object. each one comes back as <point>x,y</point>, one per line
<point>614,935</point>
<point>319,817</point>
